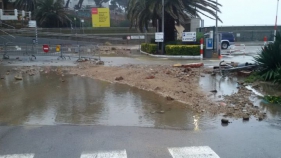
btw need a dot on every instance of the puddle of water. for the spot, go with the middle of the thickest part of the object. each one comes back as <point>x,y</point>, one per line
<point>228,86</point>
<point>43,99</point>
<point>224,86</point>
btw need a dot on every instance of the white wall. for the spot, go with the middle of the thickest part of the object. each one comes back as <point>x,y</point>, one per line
<point>72,3</point>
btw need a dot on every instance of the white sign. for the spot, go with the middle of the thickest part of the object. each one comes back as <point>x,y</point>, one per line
<point>82,20</point>
<point>189,36</point>
<point>137,37</point>
<point>32,23</point>
<point>159,37</point>
<point>238,35</point>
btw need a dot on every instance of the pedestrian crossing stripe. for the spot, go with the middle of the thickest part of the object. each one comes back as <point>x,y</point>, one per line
<point>17,156</point>
<point>106,154</point>
<point>193,152</point>
<point>181,152</point>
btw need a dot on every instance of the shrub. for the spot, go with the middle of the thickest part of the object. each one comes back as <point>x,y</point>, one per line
<point>107,44</point>
<point>273,99</point>
<point>270,59</point>
<point>277,76</point>
<point>149,48</point>
<point>144,47</point>
<point>182,50</point>
<point>253,78</point>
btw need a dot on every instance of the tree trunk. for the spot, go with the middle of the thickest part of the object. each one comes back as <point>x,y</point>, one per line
<point>67,3</point>
<point>80,2</point>
<point>169,29</point>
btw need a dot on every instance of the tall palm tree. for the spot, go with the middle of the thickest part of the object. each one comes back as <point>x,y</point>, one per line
<point>142,12</point>
<point>67,4</point>
<point>27,5</point>
<point>51,13</point>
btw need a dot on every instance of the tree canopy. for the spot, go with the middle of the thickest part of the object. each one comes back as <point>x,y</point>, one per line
<point>51,13</point>
<point>141,12</point>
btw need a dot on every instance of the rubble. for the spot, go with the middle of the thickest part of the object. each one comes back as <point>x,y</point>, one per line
<point>119,78</point>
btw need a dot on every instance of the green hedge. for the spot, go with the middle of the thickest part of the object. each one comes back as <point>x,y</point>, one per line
<point>149,48</point>
<point>183,50</point>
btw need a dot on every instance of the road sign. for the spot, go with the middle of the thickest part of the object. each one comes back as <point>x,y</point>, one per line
<point>31,23</point>
<point>189,36</point>
<point>58,48</point>
<point>137,37</point>
<point>46,48</point>
<point>159,37</point>
<point>209,43</point>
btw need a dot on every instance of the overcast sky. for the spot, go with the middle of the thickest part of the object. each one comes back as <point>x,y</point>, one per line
<point>246,12</point>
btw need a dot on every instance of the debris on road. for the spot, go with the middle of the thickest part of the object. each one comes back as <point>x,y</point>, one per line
<point>119,78</point>
<point>224,121</point>
<point>150,77</point>
<point>169,98</point>
<point>17,77</point>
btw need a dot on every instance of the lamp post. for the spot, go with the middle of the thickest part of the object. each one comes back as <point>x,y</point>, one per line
<point>163,12</point>
<point>275,29</point>
<point>217,34</point>
<point>75,24</point>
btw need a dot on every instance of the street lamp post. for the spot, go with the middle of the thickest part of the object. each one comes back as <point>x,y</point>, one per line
<point>163,12</point>
<point>216,34</point>
<point>275,29</point>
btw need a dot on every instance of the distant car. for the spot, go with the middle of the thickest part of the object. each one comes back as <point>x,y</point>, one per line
<point>227,39</point>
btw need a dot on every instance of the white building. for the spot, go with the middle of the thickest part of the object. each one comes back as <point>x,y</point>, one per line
<point>86,3</point>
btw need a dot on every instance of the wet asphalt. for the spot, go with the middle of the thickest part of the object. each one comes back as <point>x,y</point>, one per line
<point>48,118</point>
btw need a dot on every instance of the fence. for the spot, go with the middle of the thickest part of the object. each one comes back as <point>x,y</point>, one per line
<point>245,33</point>
<point>65,51</point>
<point>46,37</point>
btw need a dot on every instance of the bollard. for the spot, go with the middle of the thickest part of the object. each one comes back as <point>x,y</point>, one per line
<point>265,40</point>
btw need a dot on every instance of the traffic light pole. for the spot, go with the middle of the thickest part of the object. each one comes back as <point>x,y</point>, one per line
<point>163,18</point>
<point>36,38</point>
<point>275,29</point>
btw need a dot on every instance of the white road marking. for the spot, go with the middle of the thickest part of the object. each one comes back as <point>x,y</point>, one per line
<point>193,152</point>
<point>17,156</point>
<point>106,154</point>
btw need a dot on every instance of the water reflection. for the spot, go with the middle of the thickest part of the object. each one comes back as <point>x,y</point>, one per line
<point>43,99</point>
<point>228,86</point>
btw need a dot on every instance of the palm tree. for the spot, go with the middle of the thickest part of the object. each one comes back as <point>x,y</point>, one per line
<point>27,5</point>
<point>142,12</point>
<point>67,4</point>
<point>51,13</point>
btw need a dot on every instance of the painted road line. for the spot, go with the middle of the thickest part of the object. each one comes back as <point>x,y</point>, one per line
<point>105,154</point>
<point>193,152</point>
<point>17,156</point>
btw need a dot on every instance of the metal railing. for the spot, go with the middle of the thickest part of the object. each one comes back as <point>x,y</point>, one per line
<point>65,51</point>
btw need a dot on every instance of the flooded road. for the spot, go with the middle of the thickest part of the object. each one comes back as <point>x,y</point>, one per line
<point>43,99</point>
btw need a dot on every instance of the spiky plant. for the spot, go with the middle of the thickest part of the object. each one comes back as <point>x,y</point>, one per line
<point>270,59</point>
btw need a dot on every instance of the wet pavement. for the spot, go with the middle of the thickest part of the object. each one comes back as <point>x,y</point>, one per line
<point>50,118</point>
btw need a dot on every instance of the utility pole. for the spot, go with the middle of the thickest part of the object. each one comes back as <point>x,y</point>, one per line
<point>275,29</point>
<point>163,18</point>
<point>217,34</point>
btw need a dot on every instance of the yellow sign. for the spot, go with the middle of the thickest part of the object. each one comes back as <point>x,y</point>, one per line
<point>100,17</point>
<point>58,48</point>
